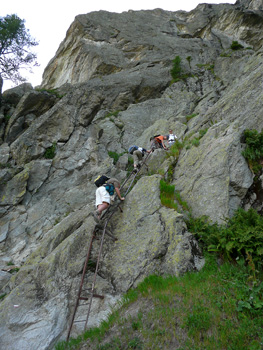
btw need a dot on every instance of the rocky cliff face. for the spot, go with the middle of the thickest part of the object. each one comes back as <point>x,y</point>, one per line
<point>113,88</point>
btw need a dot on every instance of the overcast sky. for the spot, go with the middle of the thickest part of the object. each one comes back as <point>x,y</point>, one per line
<point>49,20</point>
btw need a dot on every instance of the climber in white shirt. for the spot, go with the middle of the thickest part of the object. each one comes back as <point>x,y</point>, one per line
<point>171,138</point>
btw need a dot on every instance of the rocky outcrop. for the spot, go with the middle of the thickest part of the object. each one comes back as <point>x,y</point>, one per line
<point>113,88</point>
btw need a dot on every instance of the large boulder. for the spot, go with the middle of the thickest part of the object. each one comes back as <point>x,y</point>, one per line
<point>13,96</point>
<point>31,105</point>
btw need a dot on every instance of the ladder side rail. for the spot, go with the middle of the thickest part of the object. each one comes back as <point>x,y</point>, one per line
<point>100,252</point>
<point>97,267</point>
<point>81,284</point>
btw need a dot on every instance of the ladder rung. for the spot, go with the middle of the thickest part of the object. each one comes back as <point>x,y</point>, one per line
<point>79,321</point>
<point>94,295</point>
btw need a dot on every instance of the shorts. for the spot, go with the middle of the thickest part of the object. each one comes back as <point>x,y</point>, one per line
<point>137,156</point>
<point>102,196</point>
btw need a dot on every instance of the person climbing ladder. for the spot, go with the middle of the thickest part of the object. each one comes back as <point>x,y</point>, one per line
<point>105,190</point>
<point>138,154</point>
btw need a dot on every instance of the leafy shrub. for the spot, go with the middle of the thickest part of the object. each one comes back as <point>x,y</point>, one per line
<point>254,149</point>
<point>241,237</point>
<point>236,46</point>
<point>51,151</point>
<point>176,69</point>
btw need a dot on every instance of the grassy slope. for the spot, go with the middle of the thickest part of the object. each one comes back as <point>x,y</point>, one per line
<point>196,311</point>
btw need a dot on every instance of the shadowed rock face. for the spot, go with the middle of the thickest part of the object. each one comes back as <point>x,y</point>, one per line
<point>109,87</point>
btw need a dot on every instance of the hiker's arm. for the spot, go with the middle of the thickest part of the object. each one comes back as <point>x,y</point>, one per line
<point>163,145</point>
<point>119,193</point>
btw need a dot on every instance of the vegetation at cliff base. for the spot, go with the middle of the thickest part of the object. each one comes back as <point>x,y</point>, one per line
<point>218,307</point>
<point>202,310</point>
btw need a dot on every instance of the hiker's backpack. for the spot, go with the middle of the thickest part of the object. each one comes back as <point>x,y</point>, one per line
<point>109,188</point>
<point>153,137</point>
<point>132,149</point>
<point>101,180</point>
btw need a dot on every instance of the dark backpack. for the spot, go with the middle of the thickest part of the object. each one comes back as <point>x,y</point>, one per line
<point>101,180</point>
<point>153,137</point>
<point>110,189</point>
<point>132,149</point>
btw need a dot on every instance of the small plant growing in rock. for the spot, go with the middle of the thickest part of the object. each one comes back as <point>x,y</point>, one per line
<point>190,116</point>
<point>2,296</point>
<point>226,54</point>
<point>7,117</point>
<point>51,92</point>
<point>51,151</point>
<point>115,156</point>
<point>176,69</point>
<point>112,114</point>
<point>236,46</point>
<point>167,195</point>
<point>175,149</point>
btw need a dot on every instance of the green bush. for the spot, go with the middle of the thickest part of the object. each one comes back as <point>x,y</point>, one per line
<point>236,46</point>
<point>176,69</point>
<point>254,149</point>
<point>51,151</point>
<point>240,238</point>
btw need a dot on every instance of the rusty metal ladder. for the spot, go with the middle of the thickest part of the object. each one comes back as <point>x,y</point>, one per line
<point>92,293</point>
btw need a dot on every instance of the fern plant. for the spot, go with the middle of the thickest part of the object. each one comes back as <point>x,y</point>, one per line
<point>240,238</point>
<point>254,149</point>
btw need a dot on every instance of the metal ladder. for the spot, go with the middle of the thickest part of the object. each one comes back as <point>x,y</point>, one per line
<point>92,293</point>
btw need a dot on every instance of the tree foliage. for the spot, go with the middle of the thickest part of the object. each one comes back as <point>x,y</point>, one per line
<point>15,45</point>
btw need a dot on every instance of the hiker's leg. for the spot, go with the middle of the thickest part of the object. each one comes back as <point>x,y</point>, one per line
<point>102,207</point>
<point>136,158</point>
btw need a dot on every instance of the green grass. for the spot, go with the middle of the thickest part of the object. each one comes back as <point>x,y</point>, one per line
<point>115,156</point>
<point>196,311</point>
<point>190,116</point>
<point>112,114</point>
<point>167,195</point>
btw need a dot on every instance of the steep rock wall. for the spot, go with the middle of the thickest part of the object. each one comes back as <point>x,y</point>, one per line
<point>114,89</point>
